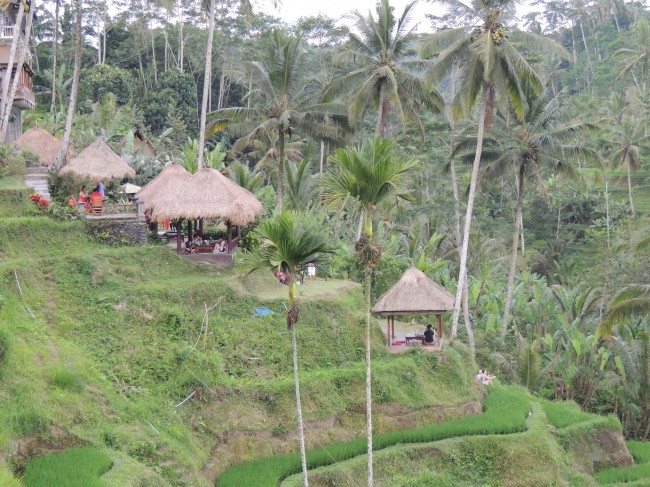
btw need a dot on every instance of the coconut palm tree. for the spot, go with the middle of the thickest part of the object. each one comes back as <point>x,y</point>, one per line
<point>625,142</point>
<point>535,144</point>
<point>289,242</point>
<point>493,71</point>
<point>280,102</point>
<point>60,159</point>
<point>385,79</point>
<point>369,175</point>
<point>637,56</point>
<point>632,300</point>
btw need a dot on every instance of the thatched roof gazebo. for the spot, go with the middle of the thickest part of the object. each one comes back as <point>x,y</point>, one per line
<point>141,143</point>
<point>168,181</point>
<point>98,162</point>
<point>208,194</point>
<point>41,143</point>
<point>413,294</point>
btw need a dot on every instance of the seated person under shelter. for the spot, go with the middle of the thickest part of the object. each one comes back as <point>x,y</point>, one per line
<point>188,247</point>
<point>220,246</point>
<point>429,335</point>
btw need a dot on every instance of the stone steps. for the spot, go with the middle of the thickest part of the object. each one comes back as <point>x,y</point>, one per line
<point>36,178</point>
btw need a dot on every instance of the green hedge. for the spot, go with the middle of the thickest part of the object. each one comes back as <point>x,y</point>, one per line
<point>506,410</point>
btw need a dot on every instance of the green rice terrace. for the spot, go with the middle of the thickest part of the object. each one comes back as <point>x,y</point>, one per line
<point>127,366</point>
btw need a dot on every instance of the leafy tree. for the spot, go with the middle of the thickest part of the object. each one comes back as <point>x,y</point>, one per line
<point>174,89</point>
<point>494,71</point>
<point>279,102</point>
<point>102,79</point>
<point>289,242</point>
<point>385,79</point>
<point>369,175</point>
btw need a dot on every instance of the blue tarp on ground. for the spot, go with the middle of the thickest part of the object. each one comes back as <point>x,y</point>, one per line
<point>263,311</point>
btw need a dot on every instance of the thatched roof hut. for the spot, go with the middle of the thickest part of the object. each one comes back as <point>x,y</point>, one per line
<point>168,181</point>
<point>414,294</point>
<point>98,162</point>
<point>141,143</point>
<point>208,194</point>
<point>41,143</point>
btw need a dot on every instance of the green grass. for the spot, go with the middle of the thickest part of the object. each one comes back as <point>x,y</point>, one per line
<point>641,453</point>
<point>77,467</point>
<point>506,410</point>
<point>563,414</point>
<point>12,183</point>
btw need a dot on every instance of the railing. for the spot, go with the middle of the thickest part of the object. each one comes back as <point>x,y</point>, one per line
<point>7,31</point>
<point>113,210</point>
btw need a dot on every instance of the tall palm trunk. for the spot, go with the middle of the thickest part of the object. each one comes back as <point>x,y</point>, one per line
<point>280,170</point>
<point>629,184</point>
<point>5,103</point>
<point>55,51</point>
<point>584,41</point>
<point>207,78</point>
<point>60,159</point>
<point>462,273</point>
<point>607,207</point>
<point>367,285</point>
<point>22,54</point>
<point>382,113</point>
<point>296,381</point>
<point>513,258</point>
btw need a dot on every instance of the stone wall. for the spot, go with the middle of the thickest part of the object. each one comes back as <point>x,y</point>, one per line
<point>118,232</point>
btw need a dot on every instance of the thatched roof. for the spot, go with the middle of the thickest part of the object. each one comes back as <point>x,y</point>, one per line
<point>44,145</point>
<point>208,194</point>
<point>414,294</point>
<point>141,143</point>
<point>169,179</point>
<point>98,162</point>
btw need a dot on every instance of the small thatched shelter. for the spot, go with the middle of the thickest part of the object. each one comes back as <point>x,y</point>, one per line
<point>167,182</point>
<point>98,162</point>
<point>44,145</point>
<point>208,194</point>
<point>413,294</point>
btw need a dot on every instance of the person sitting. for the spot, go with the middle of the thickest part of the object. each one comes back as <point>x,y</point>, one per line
<point>71,202</point>
<point>280,276</point>
<point>484,377</point>
<point>429,336</point>
<point>197,239</point>
<point>188,247</point>
<point>96,201</point>
<point>220,246</point>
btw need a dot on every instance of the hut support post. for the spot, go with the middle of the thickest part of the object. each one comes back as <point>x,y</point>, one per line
<point>392,319</point>
<point>201,226</point>
<point>439,326</point>
<point>178,235</point>
<point>189,230</point>
<point>238,231</point>
<point>388,331</point>
<point>229,232</point>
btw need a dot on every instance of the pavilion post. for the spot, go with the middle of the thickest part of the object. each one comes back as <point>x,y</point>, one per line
<point>229,230</point>
<point>388,330</point>
<point>189,230</point>
<point>439,316</point>
<point>392,319</point>
<point>178,236</point>
<point>201,226</point>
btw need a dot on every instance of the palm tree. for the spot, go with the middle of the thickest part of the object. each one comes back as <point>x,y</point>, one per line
<point>632,300</point>
<point>385,78</point>
<point>494,71</point>
<point>279,101</point>
<point>289,242</point>
<point>369,175</point>
<point>536,143</point>
<point>637,56</point>
<point>60,159</point>
<point>626,140</point>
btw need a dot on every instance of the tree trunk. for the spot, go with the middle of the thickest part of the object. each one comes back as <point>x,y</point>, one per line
<point>55,50</point>
<point>181,41</point>
<point>462,274</point>
<point>296,383</point>
<point>322,155</point>
<point>5,103</point>
<point>367,284</point>
<point>153,56</point>
<point>60,159</point>
<point>513,258</point>
<point>22,54</point>
<point>584,41</point>
<point>207,78</point>
<point>629,185</point>
<point>380,127</point>
<point>280,170</point>
<point>607,206</point>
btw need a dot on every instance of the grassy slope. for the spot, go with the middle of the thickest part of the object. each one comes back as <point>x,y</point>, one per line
<point>562,446</point>
<point>113,347</point>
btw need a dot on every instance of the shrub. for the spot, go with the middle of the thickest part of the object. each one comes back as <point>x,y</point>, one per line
<point>28,422</point>
<point>67,379</point>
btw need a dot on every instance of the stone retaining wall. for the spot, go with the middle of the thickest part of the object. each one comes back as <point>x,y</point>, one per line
<point>118,232</point>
